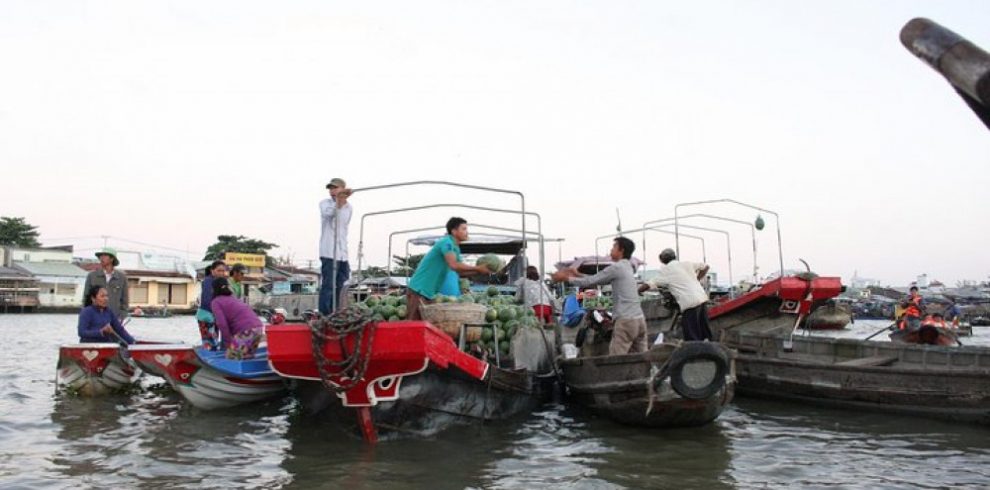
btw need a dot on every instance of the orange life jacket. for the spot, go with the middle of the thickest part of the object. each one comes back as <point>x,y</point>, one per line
<point>914,306</point>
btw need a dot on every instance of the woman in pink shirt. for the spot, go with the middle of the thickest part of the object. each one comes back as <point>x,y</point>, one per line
<point>240,328</point>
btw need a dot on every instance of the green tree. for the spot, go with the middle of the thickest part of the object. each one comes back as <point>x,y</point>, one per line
<point>403,266</point>
<point>373,271</point>
<point>18,233</point>
<point>239,244</point>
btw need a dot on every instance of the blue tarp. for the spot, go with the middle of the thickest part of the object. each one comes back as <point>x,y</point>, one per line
<point>572,313</point>
<point>248,368</point>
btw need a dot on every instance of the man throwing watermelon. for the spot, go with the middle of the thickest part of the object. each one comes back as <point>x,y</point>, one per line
<point>444,256</point>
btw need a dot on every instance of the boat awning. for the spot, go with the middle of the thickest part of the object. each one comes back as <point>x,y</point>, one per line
<point>591,264</point>
<point>481,243</point>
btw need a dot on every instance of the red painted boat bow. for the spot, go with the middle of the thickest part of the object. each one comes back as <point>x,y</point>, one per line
<point>399,349</point>
<point>799,292</point>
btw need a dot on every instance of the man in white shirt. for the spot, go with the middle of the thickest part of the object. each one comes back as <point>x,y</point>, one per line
<point>335,216</point>
<point>683,280</point>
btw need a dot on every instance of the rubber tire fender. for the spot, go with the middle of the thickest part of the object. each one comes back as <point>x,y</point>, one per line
<point>693,351</point>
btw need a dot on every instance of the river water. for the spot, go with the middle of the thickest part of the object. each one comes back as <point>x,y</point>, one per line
<point>153,439</point>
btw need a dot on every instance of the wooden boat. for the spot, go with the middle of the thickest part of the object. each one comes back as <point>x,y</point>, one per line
<point>414,380</point>
<point>927,380</point>
<point>93,369</point>
<point>207,379</point>
<point>926,335</point>
<point>828,317</point>
<point>940,382</point>
<point>671,385</point>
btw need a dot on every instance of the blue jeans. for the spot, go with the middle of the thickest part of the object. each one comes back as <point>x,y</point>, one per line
<point>326,286</point>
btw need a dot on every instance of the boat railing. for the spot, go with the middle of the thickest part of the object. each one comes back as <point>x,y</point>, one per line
<point>837,351</point>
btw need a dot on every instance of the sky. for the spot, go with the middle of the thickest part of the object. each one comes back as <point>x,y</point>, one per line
<point>169,123</point>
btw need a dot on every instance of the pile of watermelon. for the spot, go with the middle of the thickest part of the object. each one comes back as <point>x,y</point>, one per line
<point>503,319</point>
<point>600,303</point>
<point>385,308</point>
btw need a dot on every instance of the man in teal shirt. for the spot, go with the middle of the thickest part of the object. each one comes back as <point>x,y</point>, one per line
<point>445,256</point>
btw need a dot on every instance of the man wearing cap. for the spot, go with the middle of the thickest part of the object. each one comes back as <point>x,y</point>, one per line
<point>335,216</point>
<point>113,280</point>
<point>683,279</point>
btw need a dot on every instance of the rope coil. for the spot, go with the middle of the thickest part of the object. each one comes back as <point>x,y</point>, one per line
<point>341,326</point>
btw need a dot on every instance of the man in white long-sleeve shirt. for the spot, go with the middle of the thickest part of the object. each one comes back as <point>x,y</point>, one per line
<point>683,279</point>
<point>335,216</point>
<point>629,331</point>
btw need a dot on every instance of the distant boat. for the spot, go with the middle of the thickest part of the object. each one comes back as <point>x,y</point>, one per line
<point>830,316</point>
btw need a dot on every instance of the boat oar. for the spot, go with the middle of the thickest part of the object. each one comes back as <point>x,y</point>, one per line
<point>124,353</point>
<point>885,329</point>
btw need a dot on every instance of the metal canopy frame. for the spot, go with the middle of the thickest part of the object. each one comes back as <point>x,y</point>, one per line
<point>728,242</point>
<point>780,250</point>
<point>539,237</point>
<point>539,223</point>
<point>392,235</point>
<point>496,190</point>
<point>704,251</point>
<point>752,230</point>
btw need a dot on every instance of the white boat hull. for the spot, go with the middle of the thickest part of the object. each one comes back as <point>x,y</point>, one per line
<point>199,383</point>
<point>93,369</point>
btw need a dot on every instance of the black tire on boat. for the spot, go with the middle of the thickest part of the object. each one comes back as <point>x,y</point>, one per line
<point>691,352</point>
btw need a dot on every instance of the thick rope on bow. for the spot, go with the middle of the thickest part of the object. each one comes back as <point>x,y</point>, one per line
<point>345,326</point>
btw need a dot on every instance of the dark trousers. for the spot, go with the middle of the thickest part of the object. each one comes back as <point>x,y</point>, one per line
<point>327,282</point>
<point>694,321</point>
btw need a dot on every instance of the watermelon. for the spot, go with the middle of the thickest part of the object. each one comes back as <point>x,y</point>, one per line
<point>393,318</point>
<point>372,301</point>
<point>491,315</point>
<point>486,333</point>
<point>504,347</point>
<point>492,291</point>
<point>507,313</point>
<point>388,311</point>
<point>467,299</point>
<point>377,317</point>
<point>492,261</point>
<point>400,311</point>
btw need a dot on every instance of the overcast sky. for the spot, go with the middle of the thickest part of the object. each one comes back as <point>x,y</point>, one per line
<point>172,122</point>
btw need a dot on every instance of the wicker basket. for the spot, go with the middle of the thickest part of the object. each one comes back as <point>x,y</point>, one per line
<point>449,317</point>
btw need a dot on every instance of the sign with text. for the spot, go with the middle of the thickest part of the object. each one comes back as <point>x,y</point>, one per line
<point>249,260</point>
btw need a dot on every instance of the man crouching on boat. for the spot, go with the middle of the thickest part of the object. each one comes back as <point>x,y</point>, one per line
<point>445,256</point>
<point>684,281</point>
<point>629,332</point>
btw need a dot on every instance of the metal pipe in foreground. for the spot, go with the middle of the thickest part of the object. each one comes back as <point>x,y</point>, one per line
<point>963,64</point>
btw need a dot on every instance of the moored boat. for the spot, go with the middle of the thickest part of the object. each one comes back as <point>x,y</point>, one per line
<point>925,335</point>
<point>934,381</point>
<point>671,385</point>
<point>403,377</point>
<point>828,317</point>
<point>207,379</point>
<point>948,383</point>
<point>93,369</point>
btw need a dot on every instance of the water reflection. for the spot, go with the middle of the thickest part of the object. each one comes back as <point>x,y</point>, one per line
<point>154,439</point>
<point>158,440</point>
<point>792,444</point>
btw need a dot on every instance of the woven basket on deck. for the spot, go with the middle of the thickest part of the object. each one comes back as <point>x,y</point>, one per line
<point>450,316</point>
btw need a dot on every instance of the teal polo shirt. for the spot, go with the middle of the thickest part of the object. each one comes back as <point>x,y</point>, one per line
<point>433,269</point>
